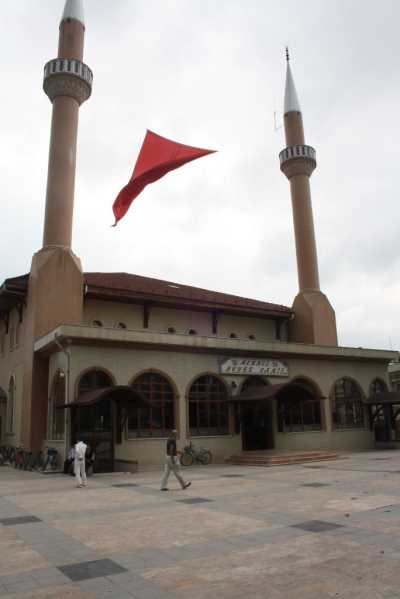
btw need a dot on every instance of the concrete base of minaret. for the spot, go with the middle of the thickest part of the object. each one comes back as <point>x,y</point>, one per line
<point>56,288</point>
<point>55,296</point>
<point>314,319</point>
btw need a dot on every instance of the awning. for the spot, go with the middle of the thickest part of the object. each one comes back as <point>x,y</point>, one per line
<point>258,393</point>
<point>119,393</point>
<point>386,397</point>
<point>264,392</point>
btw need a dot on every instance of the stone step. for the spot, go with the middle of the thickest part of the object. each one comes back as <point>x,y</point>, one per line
<point>280,460</point>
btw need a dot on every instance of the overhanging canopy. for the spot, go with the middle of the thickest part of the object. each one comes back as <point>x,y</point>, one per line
<point>264,392</point>
<point>119,393</point>
<point>386,397</point>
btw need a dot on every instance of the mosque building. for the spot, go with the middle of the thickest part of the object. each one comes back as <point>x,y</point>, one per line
<point>119,360</point>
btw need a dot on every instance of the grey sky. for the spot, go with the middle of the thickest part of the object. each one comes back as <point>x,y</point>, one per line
<point>211,74</point>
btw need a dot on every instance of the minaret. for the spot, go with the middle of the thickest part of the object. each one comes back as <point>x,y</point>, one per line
<point>55,293</point>
<point>314,320</point>
<point>68,83</point>
<point>56,273</point>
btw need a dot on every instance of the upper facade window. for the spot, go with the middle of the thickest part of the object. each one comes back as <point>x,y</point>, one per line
<point>97,323</point>
<point>208,407</point>
<point>10,415</point>
<point>2,338</point>
<point>94,379</point>
<point>55,415</point>
<point>11,335</point>
<point>377,386</point>
<point>348,410</point>
<point>156,419</point>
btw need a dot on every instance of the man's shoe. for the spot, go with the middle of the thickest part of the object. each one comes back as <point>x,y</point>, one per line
<point>187,485</point>
<point>164,489</point>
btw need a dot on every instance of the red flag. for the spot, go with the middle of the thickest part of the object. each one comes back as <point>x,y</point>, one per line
<point>157,157</point>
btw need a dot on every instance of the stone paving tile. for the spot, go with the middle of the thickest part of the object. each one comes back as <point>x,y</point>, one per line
<point>194,500</point>
<point>242,543</point>
<point>19,520</point>
<point>154,529</point>
<point>317,526</point>
<point>93,569</point>
<point>51,592</point>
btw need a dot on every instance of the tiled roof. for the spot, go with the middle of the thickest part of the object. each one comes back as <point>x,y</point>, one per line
<point>135,288</point>
<point>124,285</point>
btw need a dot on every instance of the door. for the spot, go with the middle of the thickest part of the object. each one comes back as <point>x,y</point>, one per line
<point>256,425</point>
<point>94,426</point>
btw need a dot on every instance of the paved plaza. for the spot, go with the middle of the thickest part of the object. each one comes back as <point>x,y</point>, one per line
<point>328,529</point>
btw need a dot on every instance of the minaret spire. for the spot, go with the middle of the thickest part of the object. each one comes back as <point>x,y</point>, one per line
<point>74,10</point>
<point>314,320</point>
<point>291,103</point>
<point>68,83</point>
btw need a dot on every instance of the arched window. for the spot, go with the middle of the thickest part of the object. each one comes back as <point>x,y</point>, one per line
<point>2,337</point>
<point>376,387</point>
<point>299,408</point>
<point>376,410</point>
<point>94,379</point>
<point>55,415</point>
<point>347,406</point>
<point>208,407</point>
<point>17,333</point>
<point>11,407</point>
<point>158,418</point>
<point>11,334</point>
<point>97,417</point>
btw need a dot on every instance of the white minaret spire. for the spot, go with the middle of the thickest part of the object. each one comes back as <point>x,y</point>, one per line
<point>74,10</point>
<point>292,103</point>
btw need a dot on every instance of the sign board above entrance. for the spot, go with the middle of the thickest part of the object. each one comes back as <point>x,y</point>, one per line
<point>250,366</point>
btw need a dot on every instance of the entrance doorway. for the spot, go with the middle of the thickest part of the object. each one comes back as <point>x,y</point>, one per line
<point>93,424</point>
<point>256,415</point>
<point>257,425</point>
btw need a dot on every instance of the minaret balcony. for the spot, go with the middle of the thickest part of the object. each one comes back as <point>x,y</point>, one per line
<point>298,160</point>
<point>68,77</point>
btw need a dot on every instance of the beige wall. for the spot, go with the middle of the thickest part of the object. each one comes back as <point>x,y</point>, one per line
<point>111,313</point>
<point>11,366</point>
<point>180,320</point>
<point>243,327</point>
<point>182,368</point>
<point>160,319</point>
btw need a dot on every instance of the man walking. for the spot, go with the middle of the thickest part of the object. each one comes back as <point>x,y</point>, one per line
<point>172,463</point>
<point>79,464</point>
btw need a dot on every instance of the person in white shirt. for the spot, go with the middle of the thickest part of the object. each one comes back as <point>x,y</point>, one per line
<point>79,464</point>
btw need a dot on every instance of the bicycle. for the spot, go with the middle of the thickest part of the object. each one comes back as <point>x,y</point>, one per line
<point>51,459</point>
<point>191,455</point>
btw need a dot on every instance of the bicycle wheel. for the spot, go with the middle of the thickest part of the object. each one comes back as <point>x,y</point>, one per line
<point>205,458</point>
<point>186,459</point>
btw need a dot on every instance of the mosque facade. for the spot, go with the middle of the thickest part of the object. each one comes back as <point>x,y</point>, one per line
<point>119,360</point>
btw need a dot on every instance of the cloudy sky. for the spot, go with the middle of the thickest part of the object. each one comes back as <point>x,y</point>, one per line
<point>210,73</point>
